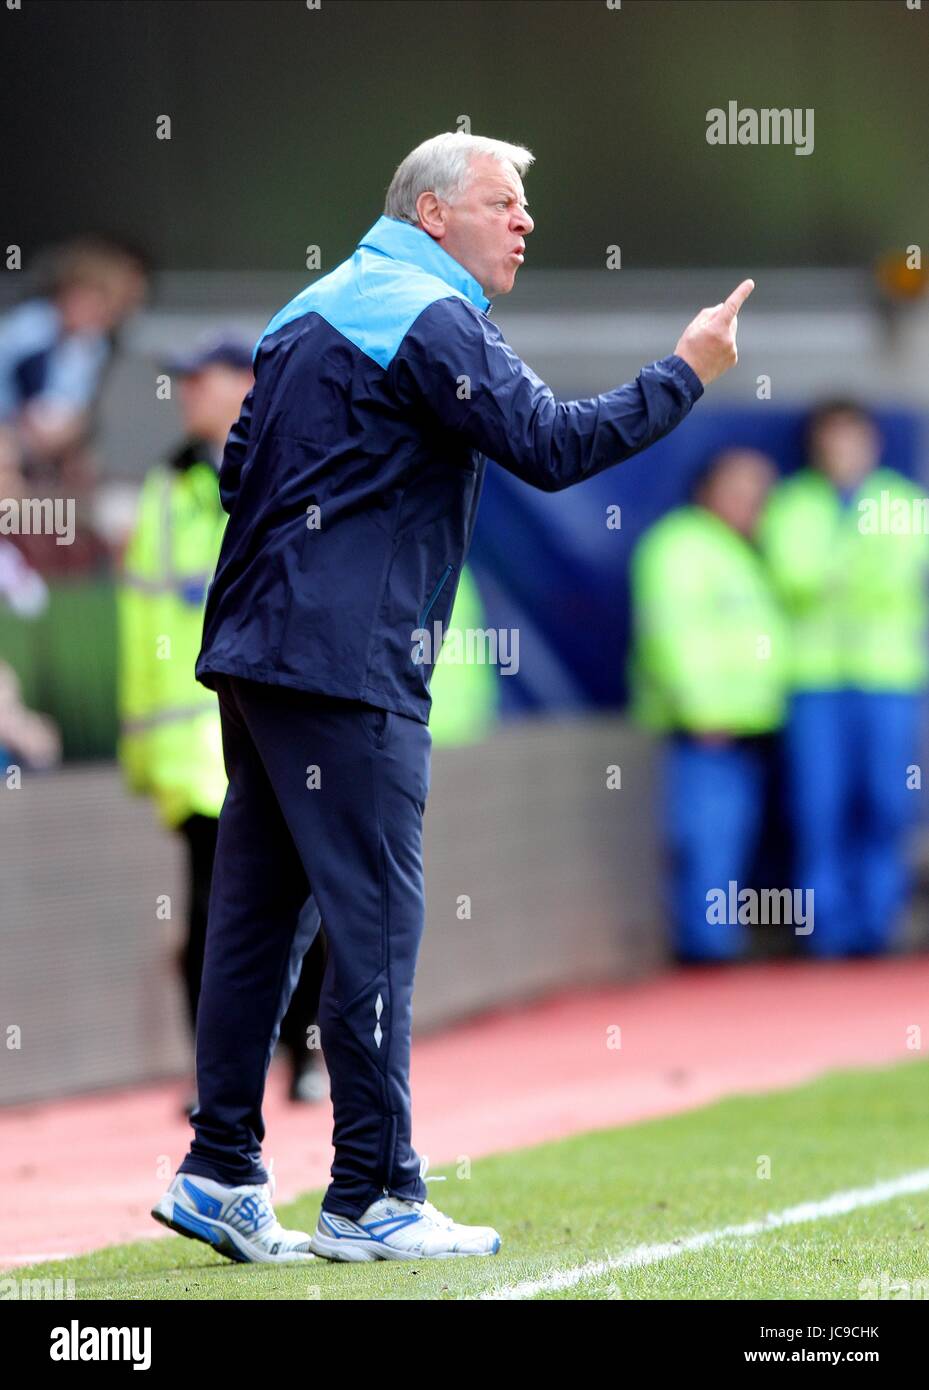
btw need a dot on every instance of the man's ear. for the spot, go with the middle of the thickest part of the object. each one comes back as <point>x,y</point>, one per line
<point>431,212</point>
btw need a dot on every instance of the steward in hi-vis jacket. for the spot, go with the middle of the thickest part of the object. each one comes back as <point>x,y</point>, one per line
<point>848,553</point>
<point>708,671</point>
<point>170,743</point>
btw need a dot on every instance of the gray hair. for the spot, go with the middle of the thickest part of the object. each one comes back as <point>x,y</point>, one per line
<point>441,165</point>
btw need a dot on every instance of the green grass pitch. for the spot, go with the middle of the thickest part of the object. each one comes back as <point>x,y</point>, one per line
<point>592,1197</point>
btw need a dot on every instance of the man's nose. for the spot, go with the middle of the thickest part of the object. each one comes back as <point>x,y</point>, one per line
<point>524,222</point>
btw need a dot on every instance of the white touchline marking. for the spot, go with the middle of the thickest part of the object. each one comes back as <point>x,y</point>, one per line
<point>640,1255</point>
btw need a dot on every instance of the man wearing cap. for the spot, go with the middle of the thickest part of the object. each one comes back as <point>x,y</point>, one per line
<point>170,743</point>
<point>352,479</point>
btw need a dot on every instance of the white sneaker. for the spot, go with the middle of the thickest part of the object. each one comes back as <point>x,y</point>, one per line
<point>237,1221</point>
<point>395,1229</point>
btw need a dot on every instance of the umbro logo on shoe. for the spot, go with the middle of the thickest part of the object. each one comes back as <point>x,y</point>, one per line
<point>342,1225</point>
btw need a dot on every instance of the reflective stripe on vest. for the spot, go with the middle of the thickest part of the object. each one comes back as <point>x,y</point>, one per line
<point>171,581</point>
<point>175,583</point>
<point>166,716</point>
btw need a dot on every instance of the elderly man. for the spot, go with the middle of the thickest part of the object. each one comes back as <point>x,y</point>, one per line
<point>352,479</point>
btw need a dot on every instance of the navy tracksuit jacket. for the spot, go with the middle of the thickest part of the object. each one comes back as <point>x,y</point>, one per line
<point>352,481</point>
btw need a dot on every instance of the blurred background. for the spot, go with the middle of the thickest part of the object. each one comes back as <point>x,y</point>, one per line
<point>721,644</point>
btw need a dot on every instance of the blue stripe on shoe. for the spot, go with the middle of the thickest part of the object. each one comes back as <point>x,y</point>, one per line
<point>205,1204</point>
<point>396,1223</point>
<point>196,1227</point>
<point>224,1241</point>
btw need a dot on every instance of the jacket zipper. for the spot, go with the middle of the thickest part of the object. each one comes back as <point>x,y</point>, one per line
<point>435,594</point>
<point>428,609</point>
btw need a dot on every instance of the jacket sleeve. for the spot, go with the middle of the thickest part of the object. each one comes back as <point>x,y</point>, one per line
<point>230,470</point>
<point>454,362</point>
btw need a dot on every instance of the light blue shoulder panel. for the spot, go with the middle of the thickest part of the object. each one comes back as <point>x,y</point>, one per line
<point>372,300</point>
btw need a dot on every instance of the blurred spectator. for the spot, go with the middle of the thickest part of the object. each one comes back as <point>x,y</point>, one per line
<point>848,556</point>
<point>54,351</point>
<point>464,693</point>
<point>54,348</point>
<point>24,591</point>
<point>25,737</point>
<point>707,671</point>
<point>170,744</point>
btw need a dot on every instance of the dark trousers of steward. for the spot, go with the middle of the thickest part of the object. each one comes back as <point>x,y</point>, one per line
<point>326,797</point>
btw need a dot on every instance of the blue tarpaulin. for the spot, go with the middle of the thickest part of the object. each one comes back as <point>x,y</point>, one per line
<point>550,566</point>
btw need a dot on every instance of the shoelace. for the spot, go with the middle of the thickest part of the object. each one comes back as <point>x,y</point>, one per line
<point>424,1169</point>
<point>438,1217</point>
<point>426,1206</point>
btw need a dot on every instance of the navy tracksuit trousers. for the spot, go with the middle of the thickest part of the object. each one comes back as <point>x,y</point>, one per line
<point>326,797</point>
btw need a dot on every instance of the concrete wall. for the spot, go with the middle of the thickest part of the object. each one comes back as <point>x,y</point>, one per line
<point>562,875</point>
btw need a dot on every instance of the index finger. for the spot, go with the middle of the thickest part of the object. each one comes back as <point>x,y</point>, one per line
<point>738,297</point>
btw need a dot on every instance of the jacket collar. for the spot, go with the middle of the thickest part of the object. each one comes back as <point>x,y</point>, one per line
<point>404,242</point>
<point>191,452</point>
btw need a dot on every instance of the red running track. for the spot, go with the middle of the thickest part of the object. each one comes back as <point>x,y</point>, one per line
<point>83,1172</point>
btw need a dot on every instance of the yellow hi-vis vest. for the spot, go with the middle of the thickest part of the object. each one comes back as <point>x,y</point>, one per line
<point>710,649</point>
<point>852,580</point>
<point>464,693</point>
<point>170,745</point>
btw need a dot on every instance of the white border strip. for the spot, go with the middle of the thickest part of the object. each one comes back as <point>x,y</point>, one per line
<point>640,1255</point>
